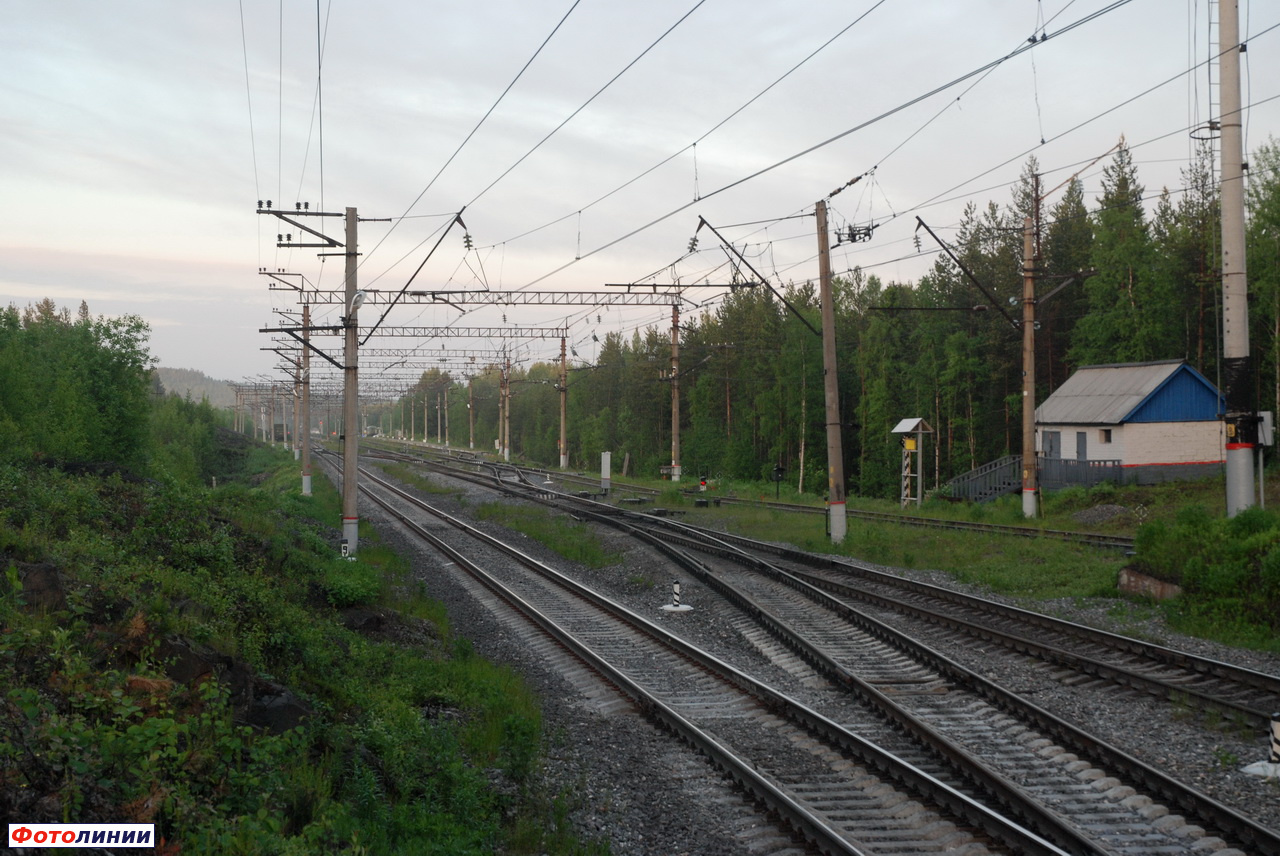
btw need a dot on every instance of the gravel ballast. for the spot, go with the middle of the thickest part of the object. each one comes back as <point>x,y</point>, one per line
<point>628,783</point>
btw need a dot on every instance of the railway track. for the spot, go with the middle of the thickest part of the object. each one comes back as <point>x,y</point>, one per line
<point>1163,672</point>
<point>1009,740</point>
<point>591,485</point>
<point>829,784</point>
<point>825,629</point>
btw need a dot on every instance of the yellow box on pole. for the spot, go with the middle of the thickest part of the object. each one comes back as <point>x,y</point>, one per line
<point>909,443</point>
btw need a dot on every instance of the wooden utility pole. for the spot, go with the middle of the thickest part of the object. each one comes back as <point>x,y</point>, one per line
<point>1241,416</point>
<point>675,393</point>
<point>1030,479</point>
<point>836,512</point>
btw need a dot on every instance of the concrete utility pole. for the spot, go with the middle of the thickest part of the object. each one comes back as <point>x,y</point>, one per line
<point>350,396</point>
<point>675,393</point>
<point>1241,417</point>
<point>564,407</point>
<point>506,410</point>
<point>297,407</point>
<point>471,414</point>
<point>836,512</point>
<point>1030,477</point>
<point>306,400</point>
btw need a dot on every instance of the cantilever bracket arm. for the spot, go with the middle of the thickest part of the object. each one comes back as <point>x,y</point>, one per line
<point>328,242</point>
<point>1081,276</point>
<point>702,221</point>
<point>990,297</point>
<point>456,221</point>
<point>305,342</point>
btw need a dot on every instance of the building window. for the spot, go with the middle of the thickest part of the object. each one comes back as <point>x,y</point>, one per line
<point>1104,436</point>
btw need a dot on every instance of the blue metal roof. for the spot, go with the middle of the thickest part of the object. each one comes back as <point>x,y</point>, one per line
<point>1165,391</point>
<point>1184,396</point>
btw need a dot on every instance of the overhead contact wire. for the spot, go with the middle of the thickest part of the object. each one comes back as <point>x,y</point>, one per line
<point>694,145</point>
<point>860,126</point>
<point>477,127</point>
<point>587,103</point>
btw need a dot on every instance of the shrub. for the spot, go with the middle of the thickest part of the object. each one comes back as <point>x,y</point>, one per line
<point>1225,566</point>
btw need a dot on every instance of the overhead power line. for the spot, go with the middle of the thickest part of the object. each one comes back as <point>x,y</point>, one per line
<point>693,146</point>
<point>483,119</point>
<point>1023,48</point>
<point>587,103</point>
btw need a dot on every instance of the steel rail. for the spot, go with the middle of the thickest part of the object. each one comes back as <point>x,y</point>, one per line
<point>1229,821</point>
<point>1162,688</point>
<point>992,822</point>
<point>1159,653</point>
<point>1262,839</point>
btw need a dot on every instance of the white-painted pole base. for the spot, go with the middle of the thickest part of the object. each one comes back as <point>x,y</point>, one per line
<point>1270,768</point>
<point>306,485</point>
<point>350,537</point>
<point>1263,770</point>
<point>676,605</point>
<point>837,522</point>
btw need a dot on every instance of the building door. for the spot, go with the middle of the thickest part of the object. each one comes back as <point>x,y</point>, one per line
<point>1053,444</point>
<point>1082,446</point>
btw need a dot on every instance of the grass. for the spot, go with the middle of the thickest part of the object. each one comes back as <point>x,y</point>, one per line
<point>404,739</point>
<point>414,478</point>
<point>1030,569</point>
<point>559,533</point>
<point>1033,568</point>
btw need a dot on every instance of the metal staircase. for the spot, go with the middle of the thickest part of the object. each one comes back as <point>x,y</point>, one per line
<point>988,481</point>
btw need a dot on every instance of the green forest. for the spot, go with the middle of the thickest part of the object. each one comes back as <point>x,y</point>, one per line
<point>751,370</point>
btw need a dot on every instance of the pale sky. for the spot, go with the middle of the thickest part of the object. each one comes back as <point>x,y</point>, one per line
<point>136,138</point>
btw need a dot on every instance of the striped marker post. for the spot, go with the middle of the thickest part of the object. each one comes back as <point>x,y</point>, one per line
<point>676,605</point>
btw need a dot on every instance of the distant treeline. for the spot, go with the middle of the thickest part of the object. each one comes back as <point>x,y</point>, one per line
<point>751,370</point>
<point>197,386</point>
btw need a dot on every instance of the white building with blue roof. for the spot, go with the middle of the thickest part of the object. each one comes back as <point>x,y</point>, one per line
<point>1156,421</point>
